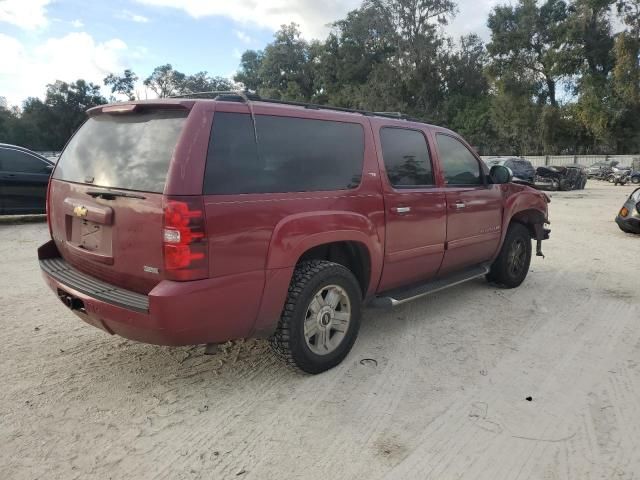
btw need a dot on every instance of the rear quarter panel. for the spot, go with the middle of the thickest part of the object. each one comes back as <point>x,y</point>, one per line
<point>267,232</point>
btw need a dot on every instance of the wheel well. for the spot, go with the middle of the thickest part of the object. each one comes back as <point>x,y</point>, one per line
<point>353,255</point>
<point>529,218</point>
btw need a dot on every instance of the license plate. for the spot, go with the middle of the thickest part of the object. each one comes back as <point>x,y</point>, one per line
<point>90,235</point>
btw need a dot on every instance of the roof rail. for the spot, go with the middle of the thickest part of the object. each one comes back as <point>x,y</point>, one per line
<point>248,97</point>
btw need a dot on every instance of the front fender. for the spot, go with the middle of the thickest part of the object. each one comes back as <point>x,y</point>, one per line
<point>524,204</point>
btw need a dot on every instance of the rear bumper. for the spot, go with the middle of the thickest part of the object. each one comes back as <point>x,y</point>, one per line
<point>174,313</point>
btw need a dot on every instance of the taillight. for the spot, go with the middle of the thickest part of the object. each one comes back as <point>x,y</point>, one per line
<point>184,240</point>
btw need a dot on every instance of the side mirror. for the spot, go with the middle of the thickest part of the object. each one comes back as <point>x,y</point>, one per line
<point>500,174</point>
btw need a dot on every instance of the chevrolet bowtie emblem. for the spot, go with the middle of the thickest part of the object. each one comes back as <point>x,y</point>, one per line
<point>80,211</point>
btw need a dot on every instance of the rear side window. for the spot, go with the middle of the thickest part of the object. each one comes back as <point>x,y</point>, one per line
<point>459,165</point>
<point>292,155</point>
<point>406,157</point>
<point>19,162</point>
<point>130,151</point>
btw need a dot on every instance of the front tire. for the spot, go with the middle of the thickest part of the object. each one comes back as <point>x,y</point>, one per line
<point>321,317</point>
<point>512,265</point>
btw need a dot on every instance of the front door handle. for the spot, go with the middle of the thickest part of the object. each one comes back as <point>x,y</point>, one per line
<point>460,205</point>
<point>402,209</point>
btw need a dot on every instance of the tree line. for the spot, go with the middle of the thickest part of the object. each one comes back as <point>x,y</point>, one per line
<point>554,76</point>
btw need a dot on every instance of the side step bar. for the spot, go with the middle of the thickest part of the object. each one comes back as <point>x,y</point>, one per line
<point>399,296</point>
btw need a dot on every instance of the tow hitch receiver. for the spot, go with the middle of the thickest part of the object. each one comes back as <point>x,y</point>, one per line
<point>70,301</point>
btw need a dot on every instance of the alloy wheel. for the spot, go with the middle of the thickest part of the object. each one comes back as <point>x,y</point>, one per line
<point>327,319</point>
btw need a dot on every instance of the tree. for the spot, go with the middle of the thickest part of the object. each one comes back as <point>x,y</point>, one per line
<point>123,84</point>
<point>165,81</point>
<point>202,82</point>
<point>529,41</point>
<point>249,72</point>
<point>48,124</point>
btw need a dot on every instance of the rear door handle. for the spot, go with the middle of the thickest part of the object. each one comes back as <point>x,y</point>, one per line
<point>402,209</point>
<point>459,205</point>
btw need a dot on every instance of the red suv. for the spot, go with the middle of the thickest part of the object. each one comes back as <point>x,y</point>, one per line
<point>197,221</point>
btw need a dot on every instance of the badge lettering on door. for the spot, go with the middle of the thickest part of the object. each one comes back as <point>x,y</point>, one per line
<point>490,229</point>
<point>149,269</point>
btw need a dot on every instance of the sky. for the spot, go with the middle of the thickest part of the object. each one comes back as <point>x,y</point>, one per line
<point>46,40</point>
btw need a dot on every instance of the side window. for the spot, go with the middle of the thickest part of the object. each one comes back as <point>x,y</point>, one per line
<point>292,155</point>
<point>459,165</point>
<point>20,162</point>
<point>406,157</point>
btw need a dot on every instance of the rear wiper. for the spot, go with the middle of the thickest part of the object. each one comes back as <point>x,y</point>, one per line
<point>112,195</point>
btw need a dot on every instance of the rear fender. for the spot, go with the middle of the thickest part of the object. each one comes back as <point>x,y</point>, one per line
<point>296,234</point>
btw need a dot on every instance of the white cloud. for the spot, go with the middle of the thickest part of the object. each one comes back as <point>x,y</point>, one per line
<point>312,15</point>
<point>242,36</point>
<point>77,23</point>
<point>76,55</point>
<point>26,14</point>
<point>133,17</point>
<point>472,18</point>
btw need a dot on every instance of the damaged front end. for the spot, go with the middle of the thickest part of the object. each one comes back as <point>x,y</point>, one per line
<point>541,233</point>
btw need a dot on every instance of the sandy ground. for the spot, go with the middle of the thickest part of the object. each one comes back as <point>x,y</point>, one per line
<point>432,390</point>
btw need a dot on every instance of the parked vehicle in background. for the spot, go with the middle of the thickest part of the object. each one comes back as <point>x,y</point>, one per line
<point>628,218</point>
<point>24,176</point>
<point>635,171</point>
<point>570,177</point>
<point>178,221</point>
<point>595,169</point>
<point>620,177</point>
<point>522,169</point>
<point>617,173</point>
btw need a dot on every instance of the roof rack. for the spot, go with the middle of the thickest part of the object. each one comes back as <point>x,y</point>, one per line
<point>248,97</point>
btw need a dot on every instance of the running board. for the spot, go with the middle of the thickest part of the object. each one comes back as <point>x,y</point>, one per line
<point>399,296</point>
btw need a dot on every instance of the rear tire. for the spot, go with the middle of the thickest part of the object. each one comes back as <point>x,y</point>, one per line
<point>321,317</point>
<point>635,180</point>
<point>512,265</point>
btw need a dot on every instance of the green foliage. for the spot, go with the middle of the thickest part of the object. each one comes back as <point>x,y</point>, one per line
<point>124,84</point>
<point>554,77</point>
<point>48,124</point>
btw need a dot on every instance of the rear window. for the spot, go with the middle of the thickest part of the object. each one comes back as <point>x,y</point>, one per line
<point>130,151</point>
<point>292,155</point>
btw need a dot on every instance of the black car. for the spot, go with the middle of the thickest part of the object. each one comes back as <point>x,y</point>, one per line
<point>570,177</point>
<point>628,218</point>
<point>24,176</point>
<point>522,169</point>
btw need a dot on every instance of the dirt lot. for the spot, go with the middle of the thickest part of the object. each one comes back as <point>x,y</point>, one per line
<point>435,389</point>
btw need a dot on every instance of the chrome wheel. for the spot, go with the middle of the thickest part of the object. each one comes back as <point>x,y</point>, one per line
<point>517,257</point>
<point>327,319</point>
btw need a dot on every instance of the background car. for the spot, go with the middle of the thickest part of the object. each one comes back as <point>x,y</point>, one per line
<point>570,177</point>
<point>521,168</point>
<point>595,169</point>
<point>628,218</point>
<point>24,176</point>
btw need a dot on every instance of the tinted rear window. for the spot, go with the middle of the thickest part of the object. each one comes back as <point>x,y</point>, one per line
<point>406,157</point>
<point>292,155</point>
<point>130,151</point>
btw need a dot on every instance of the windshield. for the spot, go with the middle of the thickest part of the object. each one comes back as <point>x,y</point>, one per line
<point>130,151</point>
